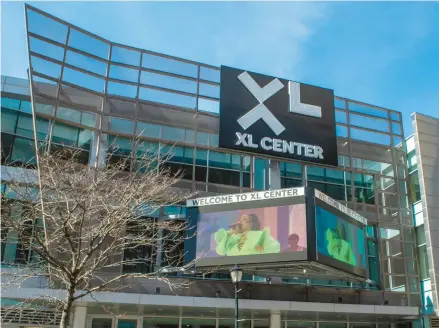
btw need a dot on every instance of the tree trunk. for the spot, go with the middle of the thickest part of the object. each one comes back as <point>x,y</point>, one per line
<point>67,309</point>
<point>65,317</point>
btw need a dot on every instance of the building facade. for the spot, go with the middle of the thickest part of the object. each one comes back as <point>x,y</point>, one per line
<point>86,93</point>
<point>423,165</point>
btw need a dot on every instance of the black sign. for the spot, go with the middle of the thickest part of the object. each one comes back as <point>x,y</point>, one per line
<point>276,117</point>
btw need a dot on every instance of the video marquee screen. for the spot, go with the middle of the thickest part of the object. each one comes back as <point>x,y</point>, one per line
<point>255,231</point>
<point>341,239</point>
<point>258,231</point>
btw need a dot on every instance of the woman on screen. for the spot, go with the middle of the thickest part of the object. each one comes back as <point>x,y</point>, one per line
<point>245,237</point>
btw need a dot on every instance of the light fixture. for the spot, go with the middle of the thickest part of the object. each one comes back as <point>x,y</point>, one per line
<point>236,274</point>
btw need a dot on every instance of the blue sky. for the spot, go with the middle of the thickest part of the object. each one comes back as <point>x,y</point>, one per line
<point>383,53</point>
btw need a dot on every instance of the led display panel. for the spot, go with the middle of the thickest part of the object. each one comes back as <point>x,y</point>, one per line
<point>271,227</point>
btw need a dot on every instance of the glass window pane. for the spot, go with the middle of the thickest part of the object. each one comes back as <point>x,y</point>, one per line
<point>101,323</point>
<point>44,87</point>
<point>198,323</point>
<point>120,125</point>
<point>209,90</point>
<point>46,49</point>
<point>340,117</point>
<point>213,140</point>
<point>25,126</point>
<point>160,322</point>
<point>169,82</point>
<point>88,44</point>
<point>65,134</point>
<point>202,138</point>
<point>420,235</point>
<point>81,98</point>
<point>396,128</point>
<point>173,133</point>
<point>423,262</point>
<point>126,323</point>
<point>395,116</point>
<point>72,115</point>
<point>46,27</point>
<point>210,74</point>
<point>338,103</point>
<point>148,129</point>
<point>84,80</point>
<point>369,122</point>
<point>26,107</point>
<point>341,131</point>
<point>9,120</point>
<point>122,89</point>
<point>85,62</point>
<point>125,56</point>
<point>364,109</point>
<point>46,67</point>
<point>369,136</point>
<point>169,65</point>
<point>397,142</point>
<point>123,73</point>
<point>167,98</point>
<point>23,151</point>
<point>10,103</point>
<point>207,105</point>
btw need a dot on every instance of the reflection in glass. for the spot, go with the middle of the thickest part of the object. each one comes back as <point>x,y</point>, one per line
<point>85,62</point>
<point>124,73</point>
<point>168,82</point>
<point>148,129</point>
<point>167,98</point>
<point>45,67</point>
<point>368,136</point>
<point>125,56</point>
<point>364,109</point>
<point>46,27</point>
<point>169,65</point>
<point>45,48</point>
<point>341,131</point>
<point>122,89</point>
<point>340,117</point>
<point>209,90</point>
<point>209,74</point>
<point>207,105</point>
<point>369,122</point>
<point>88,44</point>
<point>83,80</point>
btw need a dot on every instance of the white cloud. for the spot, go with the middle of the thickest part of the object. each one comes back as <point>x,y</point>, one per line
<point>268,37</point>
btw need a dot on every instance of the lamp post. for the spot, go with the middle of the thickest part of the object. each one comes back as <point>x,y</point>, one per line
<point>236,275</point>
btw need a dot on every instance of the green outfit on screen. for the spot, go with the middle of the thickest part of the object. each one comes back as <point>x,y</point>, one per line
<point>339,248</point>
<point>245,243</point>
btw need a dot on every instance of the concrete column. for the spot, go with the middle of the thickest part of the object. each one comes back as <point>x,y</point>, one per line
<point>275,321</point>
<point>79,316</point>
<point>274,175</point>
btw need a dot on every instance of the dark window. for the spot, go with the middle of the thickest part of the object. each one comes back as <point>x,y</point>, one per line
<point>141,257</point>
<point>6,144</point>
<point>290,183</point>
<point>246,180</point>
<point>23,246</point>
<point>173,245</point>
<point>338,192</point>
<point>200,173</point>
<point>225,177</point>
<point>184,170</point>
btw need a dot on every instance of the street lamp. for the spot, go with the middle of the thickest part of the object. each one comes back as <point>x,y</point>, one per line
<point>236,275</point>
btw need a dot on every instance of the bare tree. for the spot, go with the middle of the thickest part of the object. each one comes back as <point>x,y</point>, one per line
<point>80,225</point>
